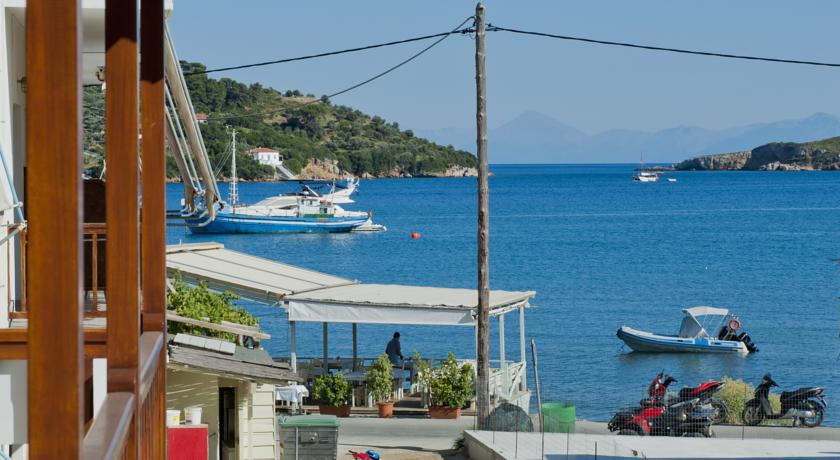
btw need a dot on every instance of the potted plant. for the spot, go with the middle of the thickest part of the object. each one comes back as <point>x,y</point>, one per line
<point>332,392</point>
<point>452,387</point>
<point>380,380</point>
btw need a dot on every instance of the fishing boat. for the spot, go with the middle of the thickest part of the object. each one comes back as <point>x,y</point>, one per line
<point>693,336</point>
<point>643,175</point>
<point>293,213</point>
<point>646,176</point>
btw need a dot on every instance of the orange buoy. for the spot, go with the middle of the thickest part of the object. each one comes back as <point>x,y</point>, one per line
<point>415,235</point>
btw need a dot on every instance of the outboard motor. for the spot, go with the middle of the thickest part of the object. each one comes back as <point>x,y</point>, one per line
<point>744,337</point>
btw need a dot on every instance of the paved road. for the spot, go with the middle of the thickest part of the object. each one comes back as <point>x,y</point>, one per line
<point>820,433</point>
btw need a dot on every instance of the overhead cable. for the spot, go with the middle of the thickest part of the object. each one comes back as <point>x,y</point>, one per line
<point>329,53</point>
<point>441,38</point>
<point>492,28</point>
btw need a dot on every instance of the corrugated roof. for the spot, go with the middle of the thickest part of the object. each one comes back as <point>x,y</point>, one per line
<point>249,276</point>
<point>262,370</point>
<point>395,304</point>
<point>393,295</point>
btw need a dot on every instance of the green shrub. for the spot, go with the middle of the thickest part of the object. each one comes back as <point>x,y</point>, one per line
<point>331,390</point>
<point>736,393</point>
<point>452,384</point>
<point>380,379</point>
<point>201,303</point>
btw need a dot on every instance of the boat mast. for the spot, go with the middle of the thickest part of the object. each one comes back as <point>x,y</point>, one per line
<point>233,192</point>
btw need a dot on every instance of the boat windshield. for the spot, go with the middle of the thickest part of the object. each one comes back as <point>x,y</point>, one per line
<point>699,320</point>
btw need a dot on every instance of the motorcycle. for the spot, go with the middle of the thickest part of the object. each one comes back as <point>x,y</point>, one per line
<point>653,418</point>
<point>704,392</point>
<point>806,405</point>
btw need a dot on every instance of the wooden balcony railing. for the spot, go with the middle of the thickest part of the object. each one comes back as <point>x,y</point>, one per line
<point>131,422</point>
<point>94,272</point>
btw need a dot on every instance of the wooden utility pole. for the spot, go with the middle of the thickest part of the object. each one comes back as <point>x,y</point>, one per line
<point>482,387</point>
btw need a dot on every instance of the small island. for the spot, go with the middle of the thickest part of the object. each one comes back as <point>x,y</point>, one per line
<point>775,156</point>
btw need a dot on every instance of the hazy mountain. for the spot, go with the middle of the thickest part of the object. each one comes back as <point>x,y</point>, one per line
<point>533,137</point>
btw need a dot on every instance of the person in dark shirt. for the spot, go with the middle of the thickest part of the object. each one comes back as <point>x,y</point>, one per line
<point>393,350</point>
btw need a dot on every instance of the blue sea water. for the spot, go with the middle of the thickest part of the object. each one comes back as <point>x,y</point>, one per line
<point>600,251</point>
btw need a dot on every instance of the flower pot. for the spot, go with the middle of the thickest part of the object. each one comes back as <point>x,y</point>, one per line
<point>442,412</point>
<point>338,411</point>
<point>386,409</point>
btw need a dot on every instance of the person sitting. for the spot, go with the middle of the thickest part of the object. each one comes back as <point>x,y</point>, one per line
<point>394,351</point>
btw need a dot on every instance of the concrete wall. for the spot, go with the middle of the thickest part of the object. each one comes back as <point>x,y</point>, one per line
<point>188,389</point>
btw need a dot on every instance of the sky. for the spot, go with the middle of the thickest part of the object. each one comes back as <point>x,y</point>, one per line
<point>592,87</point>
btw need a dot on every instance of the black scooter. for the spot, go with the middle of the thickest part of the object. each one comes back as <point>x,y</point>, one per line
<point>805,405</point>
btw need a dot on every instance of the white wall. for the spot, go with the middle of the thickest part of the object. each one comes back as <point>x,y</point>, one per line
<point>188,389</point>
<point>257,423</point>
<point>13,397</point>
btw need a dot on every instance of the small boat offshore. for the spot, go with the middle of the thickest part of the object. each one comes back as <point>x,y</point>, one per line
<point>693,337</point>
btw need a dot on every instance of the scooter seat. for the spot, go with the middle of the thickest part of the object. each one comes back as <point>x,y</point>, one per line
<point>798,393</point>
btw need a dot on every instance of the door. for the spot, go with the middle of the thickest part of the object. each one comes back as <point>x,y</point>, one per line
<point>227,423</point>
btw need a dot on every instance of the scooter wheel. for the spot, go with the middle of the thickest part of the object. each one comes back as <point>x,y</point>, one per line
<point>628,432</point>
<point>752,415</point>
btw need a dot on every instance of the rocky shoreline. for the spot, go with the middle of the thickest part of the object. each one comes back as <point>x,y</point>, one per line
<point>330,170</point>
<point>776,156</point>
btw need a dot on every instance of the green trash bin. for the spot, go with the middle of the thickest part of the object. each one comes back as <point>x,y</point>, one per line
<point>559,417</point>
<point>309,437</point>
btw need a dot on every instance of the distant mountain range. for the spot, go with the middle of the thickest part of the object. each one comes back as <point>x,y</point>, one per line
<point>533,137</point>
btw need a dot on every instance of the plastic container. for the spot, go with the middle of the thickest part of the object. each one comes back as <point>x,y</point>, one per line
<point>309,436</point>
<point>173,417</point>
<point>193,415</point>
<point>558,417</point>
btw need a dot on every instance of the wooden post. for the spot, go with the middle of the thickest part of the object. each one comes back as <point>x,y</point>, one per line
<point>122,210</point>
<point>54,208</point>
<point>153,270</point>
<point>482,387</point>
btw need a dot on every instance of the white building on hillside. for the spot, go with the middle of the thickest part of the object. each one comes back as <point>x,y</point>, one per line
<point>266,156</point>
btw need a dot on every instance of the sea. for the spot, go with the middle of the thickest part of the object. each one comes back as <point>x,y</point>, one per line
<point>601,251</point>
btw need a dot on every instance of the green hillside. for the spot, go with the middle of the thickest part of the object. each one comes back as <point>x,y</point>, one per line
<point>303,128</point>
<point>300,126</point>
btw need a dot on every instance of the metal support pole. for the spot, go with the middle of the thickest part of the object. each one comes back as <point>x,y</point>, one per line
<point>326,349</point>
<point>293,346</point>
<point>355,345</point>
<point>482,360</point>
<point>502,358</point>
<point>523,384</point>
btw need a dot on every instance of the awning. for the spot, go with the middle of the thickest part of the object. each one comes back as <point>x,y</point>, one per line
<point>251,277</point>
<point>397,304</point>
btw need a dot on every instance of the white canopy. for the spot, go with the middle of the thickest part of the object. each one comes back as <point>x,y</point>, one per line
<point>692,327</point>
<point>249,276</point>
<point>397,304</point>
<point>704,311</point>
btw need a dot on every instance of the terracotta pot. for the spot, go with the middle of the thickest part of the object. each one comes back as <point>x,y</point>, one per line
<point>442,412</point>
<point>386,409</point>
<point>338,411</point>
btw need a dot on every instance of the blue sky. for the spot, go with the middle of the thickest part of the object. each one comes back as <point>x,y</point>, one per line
<point>592,87</point>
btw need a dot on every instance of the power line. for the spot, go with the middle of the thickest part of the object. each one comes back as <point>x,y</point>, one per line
<point>492,28</point>
<point>442,37</point>
<point>329,53</point>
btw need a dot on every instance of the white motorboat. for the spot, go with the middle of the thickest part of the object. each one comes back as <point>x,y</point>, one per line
<point>646,176</point>
<point>693,337</point>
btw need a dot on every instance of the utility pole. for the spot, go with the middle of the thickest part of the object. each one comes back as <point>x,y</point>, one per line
<point>482,386</point>
<point>233,192</point>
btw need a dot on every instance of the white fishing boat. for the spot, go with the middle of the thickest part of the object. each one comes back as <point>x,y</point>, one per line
<point>644,175</point>
<point>693,337</point>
